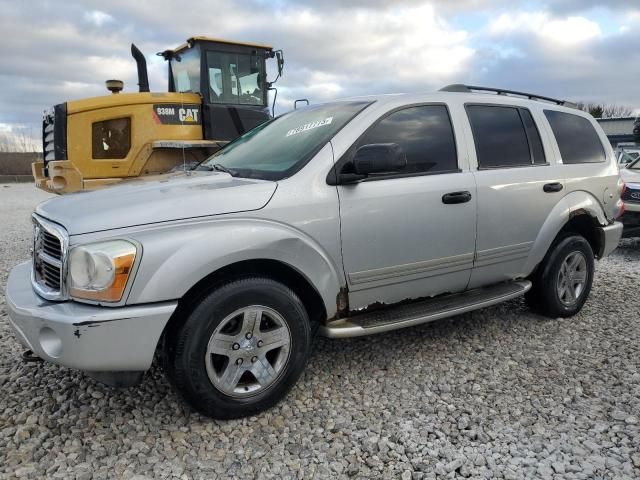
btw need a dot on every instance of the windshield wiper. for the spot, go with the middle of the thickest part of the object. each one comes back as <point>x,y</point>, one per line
<point>218,167</point>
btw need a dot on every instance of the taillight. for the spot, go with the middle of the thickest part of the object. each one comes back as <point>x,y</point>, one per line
<point>622,187</point>
<point>620,207</point>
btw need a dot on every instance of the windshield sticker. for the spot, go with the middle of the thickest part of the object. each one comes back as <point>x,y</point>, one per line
<point>310,126</point>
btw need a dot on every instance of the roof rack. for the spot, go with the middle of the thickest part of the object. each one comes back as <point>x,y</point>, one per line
<point>459,87</point>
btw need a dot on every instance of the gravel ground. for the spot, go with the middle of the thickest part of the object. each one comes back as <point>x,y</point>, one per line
<point>498,393</point>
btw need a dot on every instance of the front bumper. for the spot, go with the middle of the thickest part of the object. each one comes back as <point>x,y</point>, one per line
<point>609,238</point>
<point>84,337</point>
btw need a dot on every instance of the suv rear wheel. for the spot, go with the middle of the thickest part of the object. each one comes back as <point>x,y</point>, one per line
<point>241,349</point>
<point>563,281</point>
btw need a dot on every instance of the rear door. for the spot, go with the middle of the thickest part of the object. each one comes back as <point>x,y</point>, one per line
<point>518,184</point>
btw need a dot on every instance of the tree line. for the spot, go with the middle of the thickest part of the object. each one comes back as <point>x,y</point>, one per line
<point>21,140</point>
<point>606,110</point>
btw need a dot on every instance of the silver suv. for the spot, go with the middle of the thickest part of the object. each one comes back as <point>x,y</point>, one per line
<point>346,218</point>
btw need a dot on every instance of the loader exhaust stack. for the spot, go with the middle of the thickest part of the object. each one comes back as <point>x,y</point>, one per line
<point>143,78</point>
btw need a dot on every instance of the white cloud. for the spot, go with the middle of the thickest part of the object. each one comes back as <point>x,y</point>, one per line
<point>368,51</point>
<point>567,32</point>
<point>98,18</point>
<point>58,51</point>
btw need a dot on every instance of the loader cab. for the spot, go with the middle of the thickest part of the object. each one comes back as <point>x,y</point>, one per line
<point>230,77</point>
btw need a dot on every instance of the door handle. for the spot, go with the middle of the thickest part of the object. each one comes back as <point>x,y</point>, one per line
<point>456,197</point>
<point>553,187</point>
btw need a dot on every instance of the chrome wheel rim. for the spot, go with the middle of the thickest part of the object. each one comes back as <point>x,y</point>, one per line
<point>248,351</point>
<point>572,278</point>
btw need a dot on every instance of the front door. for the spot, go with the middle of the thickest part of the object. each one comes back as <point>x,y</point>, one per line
<point>404,236</point>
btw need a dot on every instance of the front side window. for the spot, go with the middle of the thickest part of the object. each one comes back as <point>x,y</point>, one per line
<point>577,140</point>
<point>280,147</point>
<point>235,78</point>
<point>425,134</point>
<point>500,136</point>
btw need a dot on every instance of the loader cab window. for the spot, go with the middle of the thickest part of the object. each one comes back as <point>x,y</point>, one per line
<point>236,78</point>
<point>185,67</point>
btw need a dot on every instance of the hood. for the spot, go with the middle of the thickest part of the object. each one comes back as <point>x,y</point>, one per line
<point>630,176</point>
<point>124,99</point>
<point>154,199</point>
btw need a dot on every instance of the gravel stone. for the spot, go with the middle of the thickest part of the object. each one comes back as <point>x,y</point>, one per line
<point>496,393</point>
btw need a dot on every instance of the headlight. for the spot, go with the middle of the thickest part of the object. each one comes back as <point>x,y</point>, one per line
<point>99,271</point>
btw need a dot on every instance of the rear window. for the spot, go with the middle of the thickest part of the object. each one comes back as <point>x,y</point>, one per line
<point>577,140</point>
<point>505,136</point>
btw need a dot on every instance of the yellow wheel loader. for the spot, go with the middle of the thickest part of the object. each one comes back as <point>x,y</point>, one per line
<point>217,91</point>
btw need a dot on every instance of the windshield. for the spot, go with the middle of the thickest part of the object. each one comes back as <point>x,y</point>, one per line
<point>628,157</point>
<point>280,147</point>
<point>635,165</point>
<point>185,67</point>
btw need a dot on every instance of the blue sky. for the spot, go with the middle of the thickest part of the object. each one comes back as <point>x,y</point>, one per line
<point>585,50</point>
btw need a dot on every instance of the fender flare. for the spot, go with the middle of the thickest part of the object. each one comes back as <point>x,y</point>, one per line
<point>575,203</point>
<point>188,253</point>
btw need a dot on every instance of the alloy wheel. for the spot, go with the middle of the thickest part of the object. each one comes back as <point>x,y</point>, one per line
<point>248,351</point>
<point>572,278</point>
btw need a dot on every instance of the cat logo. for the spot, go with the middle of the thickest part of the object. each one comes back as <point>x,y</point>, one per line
<point>180,114</point>
<point>189,115</point>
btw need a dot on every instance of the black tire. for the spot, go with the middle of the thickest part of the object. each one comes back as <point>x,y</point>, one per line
<point>544,296</point>
<point>186,347</point>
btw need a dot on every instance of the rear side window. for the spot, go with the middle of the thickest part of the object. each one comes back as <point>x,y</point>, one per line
<point>505,136</point>
<point>424,133</point>
<point>577,140</point>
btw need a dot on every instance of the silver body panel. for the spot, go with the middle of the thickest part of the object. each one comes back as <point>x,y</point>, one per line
<point>82,336</point>
<point>381,241</point>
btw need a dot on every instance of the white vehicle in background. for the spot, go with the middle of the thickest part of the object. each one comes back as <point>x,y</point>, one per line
<point>631,218</point>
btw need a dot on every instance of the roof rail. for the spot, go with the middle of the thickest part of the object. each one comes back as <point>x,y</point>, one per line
<point>458,87</point>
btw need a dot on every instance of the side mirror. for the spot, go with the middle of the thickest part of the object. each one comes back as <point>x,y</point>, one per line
<point>280,60</point>
<point>379,158</point>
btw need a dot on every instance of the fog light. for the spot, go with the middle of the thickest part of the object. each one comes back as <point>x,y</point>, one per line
<point>50,342</point>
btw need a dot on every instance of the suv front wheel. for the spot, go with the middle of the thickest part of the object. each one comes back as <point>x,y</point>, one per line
<point>563,281</point>
<point>241,349</point>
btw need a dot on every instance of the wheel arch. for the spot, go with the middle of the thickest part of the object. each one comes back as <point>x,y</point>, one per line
<point>263,267</point>
<point>578,212</point>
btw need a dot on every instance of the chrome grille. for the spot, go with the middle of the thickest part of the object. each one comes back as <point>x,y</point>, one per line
<point>49,250</point>
<point>51,245</point>
<point>48,136</point>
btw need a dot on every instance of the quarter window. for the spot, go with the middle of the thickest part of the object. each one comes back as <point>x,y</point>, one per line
<point>577,139</point>
<point>505,136</point>
<point>425,134</point>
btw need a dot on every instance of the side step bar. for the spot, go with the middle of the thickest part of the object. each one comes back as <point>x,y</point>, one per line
<point>410,314</point>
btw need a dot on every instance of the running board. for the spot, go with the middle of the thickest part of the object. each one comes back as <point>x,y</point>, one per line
<point>410,314</point>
